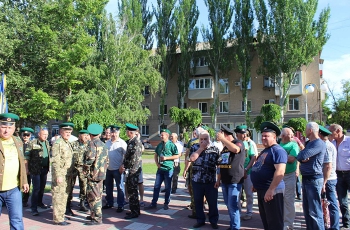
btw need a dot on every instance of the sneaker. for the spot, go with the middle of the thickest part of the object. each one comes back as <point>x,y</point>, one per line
<point>43,206</point>
<point>247,217</point>
<point>166,207</point>
<point>151,206</point>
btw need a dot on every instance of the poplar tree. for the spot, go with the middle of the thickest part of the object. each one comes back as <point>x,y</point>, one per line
<point>288,37</point>
<point>216,40</point>
<point>186,18</point>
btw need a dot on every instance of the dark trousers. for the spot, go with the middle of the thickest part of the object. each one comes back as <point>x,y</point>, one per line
<point>298,187</point>
<point>39,183</point>
<point>26,195</point>
<point>343,185</point>
<point>177,170</point>
<point>271,212</point>
<point>131,186</point>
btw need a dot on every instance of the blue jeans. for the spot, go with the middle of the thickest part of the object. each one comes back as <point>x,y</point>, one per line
<point>298,187</point>
<point>333,204</point>
<point>111,176</point>
<point>199,191</point>
<point>312,203</point>
<point>231,196</point>
<point>13,201</point>
<point>161,176</point>
<point>39,183</point>
<point>343,186</point>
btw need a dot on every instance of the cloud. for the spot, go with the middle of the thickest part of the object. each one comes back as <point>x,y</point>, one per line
<point>336,70</point>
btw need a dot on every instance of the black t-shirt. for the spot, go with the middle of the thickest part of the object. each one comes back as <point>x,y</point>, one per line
<point>232,164</point>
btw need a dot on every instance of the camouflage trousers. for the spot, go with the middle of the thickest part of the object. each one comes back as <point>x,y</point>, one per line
<point>94,197</point>
<point>60,193</point>
<point>131,186</point>
<point>78,172</point>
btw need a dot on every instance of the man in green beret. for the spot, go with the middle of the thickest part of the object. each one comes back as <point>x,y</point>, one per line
<point>131,165</point>
<point>37,157</point>
<point>95,167</point>
<point>79,151</point>
<point>26,134</point>
<point>62,168</point>
<point>13,175</point>
<point>165,154</point>
<point>267,177</point>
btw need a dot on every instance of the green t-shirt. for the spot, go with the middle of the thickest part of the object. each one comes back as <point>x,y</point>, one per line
<point>45,162</point>
<point>167,150</point>
<point>292,149</point>
<point>250,152</point>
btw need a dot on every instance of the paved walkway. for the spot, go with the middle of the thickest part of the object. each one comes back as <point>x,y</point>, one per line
<point>173,218</point>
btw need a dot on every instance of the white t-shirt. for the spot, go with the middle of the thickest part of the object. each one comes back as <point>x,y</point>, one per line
<point>180,149</point>
<point>116,152</point>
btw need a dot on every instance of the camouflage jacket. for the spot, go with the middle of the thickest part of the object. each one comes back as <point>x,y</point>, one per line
<point>62,158</point>
<point>96,160</point>
<point>34,156</point>
<point>133,155</point>
<point>79,151</point>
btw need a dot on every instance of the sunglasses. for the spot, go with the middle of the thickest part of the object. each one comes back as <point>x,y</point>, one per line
<point>26,135</point>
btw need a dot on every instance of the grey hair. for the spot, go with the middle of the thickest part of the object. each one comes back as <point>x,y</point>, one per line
<point>204,132</point>
<point>336,127</point>
<point>198,131</point>
<point>284,131</point>
<point>313,126</point>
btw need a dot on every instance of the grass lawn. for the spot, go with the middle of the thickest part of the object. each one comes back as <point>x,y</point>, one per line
<point>151,168</point>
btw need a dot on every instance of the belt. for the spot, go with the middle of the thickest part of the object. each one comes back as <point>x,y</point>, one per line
<point>342,171</point>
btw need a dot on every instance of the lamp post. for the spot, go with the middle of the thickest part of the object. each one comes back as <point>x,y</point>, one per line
<point>310,88</point>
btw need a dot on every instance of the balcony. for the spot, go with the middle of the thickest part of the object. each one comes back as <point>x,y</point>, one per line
<point>196,94</point>
<point>202,70</point>
<point>295,90</point>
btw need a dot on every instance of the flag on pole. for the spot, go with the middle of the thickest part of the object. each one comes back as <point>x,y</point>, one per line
<point>3,100</point>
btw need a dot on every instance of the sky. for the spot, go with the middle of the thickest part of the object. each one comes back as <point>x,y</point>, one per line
<point>336,52</point>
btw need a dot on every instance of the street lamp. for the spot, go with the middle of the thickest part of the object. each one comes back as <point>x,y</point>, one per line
<point>310,88</point>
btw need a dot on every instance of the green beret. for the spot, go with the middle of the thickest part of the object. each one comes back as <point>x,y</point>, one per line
<point>165,131</point>
<point>8,118</point>
<point>84,131</point>
<point>205,127</point>
<point>67,125</point>
<point>131,127</point>
<point>269,127</point>
<point>114,128</point>
<point>95,129</point>
<point>324,131</point>
<point>241,129</point>
<point>225,129</point>
<point>26,130</point>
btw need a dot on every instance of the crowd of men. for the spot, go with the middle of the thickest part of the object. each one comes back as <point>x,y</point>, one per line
<point>232,162</point>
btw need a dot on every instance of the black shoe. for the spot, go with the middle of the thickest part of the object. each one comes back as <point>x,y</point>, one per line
<point>198,225</point>
<point>64,223</point>
<point>107,206</point>
<point>129,213</point>
<point>214,226</point>
<point>35,213</point>
<point>173,192</point>
<point>93,223</point>
<point>192,216</point>
<point>298,198</point>
<point>131,216</point>
<point>163,190</point>
<point>43,206</point>
<point>88,218</point>
<point>25,204</point>
<point>150,207</point>
<point>120,209</point>
<point>69,212</point>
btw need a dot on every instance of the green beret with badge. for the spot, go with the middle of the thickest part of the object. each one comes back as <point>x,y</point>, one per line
<point>95,129</point>
<point>114,128</point>
<point>324,131</point>
<point>67,125</point>
<point>8,118</point>
<point>131,127</point>
<point>165,131</point>
<point>26,130</point>
<point>83,131</point>
<point>241,129</point>
<point>268,126</point>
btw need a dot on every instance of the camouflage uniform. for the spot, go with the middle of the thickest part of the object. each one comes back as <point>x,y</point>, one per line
<point>132,164</point>
<point>79,150</point>
<point>95,167</point>
<point>25,196</point>
<point>62,166</point>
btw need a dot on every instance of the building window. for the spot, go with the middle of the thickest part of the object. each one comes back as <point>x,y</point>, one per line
<point>296,79</point>
<point>202,62</point>
<point>249,84</point>
<point>201,83</point>
<point>144,130</point>
<point>270,101</point>
<point>268,82</point>
<point>145,106</point>
<point>218,126</point>
<point>224,87</point>
<point>223,106</point>
<point>293,104</point>
<point>165,109</point>
<point>249,103</point>
<point>203,107</point>
<point>146,90</point>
